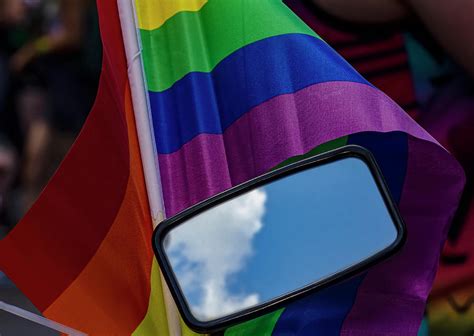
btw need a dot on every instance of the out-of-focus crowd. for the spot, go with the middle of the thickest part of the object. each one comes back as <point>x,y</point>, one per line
<point>50,59</point>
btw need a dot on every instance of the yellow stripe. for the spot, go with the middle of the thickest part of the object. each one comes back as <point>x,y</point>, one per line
<point>172,313</point>
<point>155,322</point>
<point>153,14</point>
<point>185,331</point>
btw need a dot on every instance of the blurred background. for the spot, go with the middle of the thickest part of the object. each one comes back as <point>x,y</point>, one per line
<point>50,60</point>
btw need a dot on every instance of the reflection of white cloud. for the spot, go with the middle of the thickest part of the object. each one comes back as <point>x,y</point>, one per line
<point>214,245</point>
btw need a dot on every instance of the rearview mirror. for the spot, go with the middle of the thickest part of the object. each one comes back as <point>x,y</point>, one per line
<point>290,232</point>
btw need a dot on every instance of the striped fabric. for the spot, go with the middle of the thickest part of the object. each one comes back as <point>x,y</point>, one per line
<point>240,87</point>
<point>237,87</point>
<point>82,254</point>
<point>377,52</point>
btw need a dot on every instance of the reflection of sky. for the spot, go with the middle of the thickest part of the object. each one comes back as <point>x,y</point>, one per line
<point>311,224</point>
<point>211,247</point>
<point>312,229</point>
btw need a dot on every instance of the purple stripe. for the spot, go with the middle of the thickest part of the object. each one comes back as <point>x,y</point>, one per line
<point>391,300</point>
<point>282,127</point>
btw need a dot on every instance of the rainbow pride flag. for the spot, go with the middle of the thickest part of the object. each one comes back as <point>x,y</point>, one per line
<point>235,88</point>
<point>82,254</point>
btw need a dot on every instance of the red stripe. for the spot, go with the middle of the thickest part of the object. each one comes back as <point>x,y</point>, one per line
<point>110,296</point>
<point>62,231</point>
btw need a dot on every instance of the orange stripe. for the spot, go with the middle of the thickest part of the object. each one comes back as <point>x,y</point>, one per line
<point>111,294</point>
<point>62,231</point>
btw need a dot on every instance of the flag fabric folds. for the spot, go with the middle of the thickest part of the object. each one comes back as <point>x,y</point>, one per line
<point>236,88</point>
<point>83,254</point>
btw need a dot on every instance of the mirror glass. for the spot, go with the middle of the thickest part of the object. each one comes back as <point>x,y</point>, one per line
<point>278,238</point>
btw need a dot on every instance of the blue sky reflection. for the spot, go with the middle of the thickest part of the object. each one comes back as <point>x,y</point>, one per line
<point>276,239</point>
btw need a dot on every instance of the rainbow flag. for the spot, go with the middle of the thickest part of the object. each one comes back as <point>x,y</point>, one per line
<point>82,254</point>
<point>235,89</point>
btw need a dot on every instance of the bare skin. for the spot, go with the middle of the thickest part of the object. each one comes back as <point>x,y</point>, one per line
<point>450,22</point>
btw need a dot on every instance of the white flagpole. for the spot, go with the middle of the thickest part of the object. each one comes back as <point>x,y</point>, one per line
<point>141,108</point>
<point>146,137</point>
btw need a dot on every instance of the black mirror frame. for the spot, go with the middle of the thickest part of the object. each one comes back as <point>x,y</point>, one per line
<point>279,302</point>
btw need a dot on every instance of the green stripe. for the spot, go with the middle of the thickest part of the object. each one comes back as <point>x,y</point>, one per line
<point>325,147</point>
<point>198,41</point>
<point>261,326</point>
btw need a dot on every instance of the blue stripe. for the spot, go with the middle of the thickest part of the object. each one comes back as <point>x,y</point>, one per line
<point>323,313</point>
<point>211,102</point>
